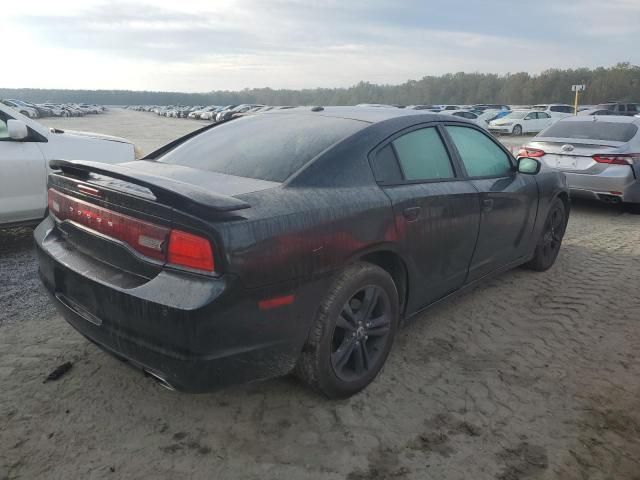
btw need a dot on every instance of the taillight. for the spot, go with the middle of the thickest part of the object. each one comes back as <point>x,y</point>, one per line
<point>160,243</point>
<point>190,251</point>
<point>531,152</point>
<point>619,159</point>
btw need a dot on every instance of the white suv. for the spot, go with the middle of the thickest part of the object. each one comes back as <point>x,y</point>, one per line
<point>555,110</point>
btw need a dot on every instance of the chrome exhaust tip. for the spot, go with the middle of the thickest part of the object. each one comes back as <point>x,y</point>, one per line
<point>159,380</point>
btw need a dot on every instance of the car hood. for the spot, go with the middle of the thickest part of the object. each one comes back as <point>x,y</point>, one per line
<point>97,136</point>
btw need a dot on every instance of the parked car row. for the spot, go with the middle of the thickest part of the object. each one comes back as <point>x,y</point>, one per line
<point>215,113</point>
<point>497,118</point>
<point>39,110</point>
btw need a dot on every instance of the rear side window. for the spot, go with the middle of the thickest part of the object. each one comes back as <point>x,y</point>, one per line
<point>590,130</point>
<point>423,156</point>
<point>267,147</point>
<point>481,157</point>
<point>385,166</point>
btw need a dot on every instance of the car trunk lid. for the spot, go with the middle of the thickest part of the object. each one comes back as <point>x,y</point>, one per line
<point>144,216</point>
<point>575,155</point>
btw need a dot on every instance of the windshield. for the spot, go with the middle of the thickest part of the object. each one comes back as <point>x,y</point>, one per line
<point>598,130</point>
<point>267,147</point>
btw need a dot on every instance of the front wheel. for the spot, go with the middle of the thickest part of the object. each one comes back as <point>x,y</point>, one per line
<point>517,130</point>
<point>353,332</point>
<point>548,246</point>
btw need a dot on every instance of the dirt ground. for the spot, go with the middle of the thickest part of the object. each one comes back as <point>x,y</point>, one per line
<point>531,376</point>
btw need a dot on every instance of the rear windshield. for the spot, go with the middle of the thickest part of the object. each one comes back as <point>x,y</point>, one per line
<point>599,130</point>
<point>267,147</point>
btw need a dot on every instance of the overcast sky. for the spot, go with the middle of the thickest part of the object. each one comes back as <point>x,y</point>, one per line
<point>203,45</point>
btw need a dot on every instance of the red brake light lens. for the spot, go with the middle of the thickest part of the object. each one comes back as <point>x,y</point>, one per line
<point>531,152</point>
<point>190,251</point>
<point>154,241</point>
<point>621,159</point>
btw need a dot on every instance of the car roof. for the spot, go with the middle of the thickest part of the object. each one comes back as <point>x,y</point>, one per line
<point>363,114</point>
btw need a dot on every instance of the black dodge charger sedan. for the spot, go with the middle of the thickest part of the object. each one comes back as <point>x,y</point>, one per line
<point>291,240</point>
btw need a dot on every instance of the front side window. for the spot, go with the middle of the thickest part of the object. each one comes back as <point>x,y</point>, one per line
<point>481,157</point>
<point>531,116</point>
<point>423,156</point>
<point>622,108</point>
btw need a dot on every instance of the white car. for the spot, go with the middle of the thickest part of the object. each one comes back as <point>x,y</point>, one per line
<point>521,121</point>
<point>25,150</point>
<point>556,110</point>
<point>25,110</point>
<point>468,115</point>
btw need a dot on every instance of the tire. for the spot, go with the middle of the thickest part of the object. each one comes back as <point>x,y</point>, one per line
<point>550,240</point>
<point>517,131</point>
<point>351,336</point>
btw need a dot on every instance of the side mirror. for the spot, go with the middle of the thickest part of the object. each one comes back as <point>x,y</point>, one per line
<point>529,166</point>
<point>17,130</point>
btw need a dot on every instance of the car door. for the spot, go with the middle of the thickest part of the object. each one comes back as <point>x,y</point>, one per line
<point>544,120</point>
<point>437,212</point>
<point>508,199</point>
<point>23,182</point>
<point>530,123</point>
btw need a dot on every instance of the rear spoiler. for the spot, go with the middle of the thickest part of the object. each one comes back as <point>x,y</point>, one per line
<point>165,189</point>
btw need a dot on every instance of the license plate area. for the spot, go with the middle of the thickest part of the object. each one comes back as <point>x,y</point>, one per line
<point>566,162</point>
<point>77,298</point>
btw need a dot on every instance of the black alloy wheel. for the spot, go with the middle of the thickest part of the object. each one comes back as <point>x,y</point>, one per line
<point>361,333</point>
<point>353,332</point>
<point>550,241</point>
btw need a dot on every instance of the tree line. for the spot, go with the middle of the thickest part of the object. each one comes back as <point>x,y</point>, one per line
<point>620,82</point>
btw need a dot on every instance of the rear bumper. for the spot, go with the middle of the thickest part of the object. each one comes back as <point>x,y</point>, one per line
<point>196,333</point>
<point>616,180</point>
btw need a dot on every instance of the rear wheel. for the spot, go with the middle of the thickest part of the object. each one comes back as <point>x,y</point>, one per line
<point>549,244</point>
<point>353,332</point>
<point>517,130</point>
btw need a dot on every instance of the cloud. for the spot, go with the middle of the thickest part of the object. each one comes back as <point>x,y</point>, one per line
<point>198,44</point>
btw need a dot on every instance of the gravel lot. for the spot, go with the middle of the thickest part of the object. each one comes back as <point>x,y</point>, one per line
<point>531,376</point>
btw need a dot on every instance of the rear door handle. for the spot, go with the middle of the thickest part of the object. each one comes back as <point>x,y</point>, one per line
<point>487,205</point>
<point>411,213</point>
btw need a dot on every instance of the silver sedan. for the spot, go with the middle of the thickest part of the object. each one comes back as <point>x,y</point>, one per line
<point>600,155</point>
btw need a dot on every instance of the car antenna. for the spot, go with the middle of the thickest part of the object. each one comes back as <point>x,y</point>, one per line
<point>317,109</point>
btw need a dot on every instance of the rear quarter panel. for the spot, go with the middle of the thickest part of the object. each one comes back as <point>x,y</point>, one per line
<point>305,233</point>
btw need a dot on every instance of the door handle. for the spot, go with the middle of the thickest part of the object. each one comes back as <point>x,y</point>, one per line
<point>487,205</point>
<point>411,213</point>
